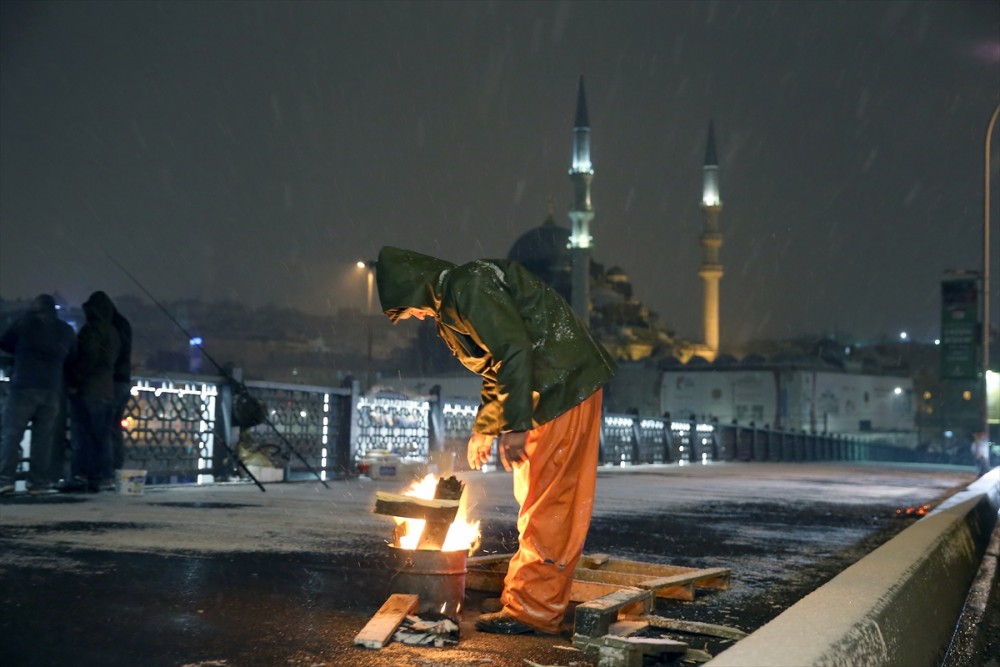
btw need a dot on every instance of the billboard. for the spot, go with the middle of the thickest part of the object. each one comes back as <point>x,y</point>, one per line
<point>959,329</point>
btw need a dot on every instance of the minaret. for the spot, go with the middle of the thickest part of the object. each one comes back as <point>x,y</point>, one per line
<point>711,241</point>
<point>581,212</point>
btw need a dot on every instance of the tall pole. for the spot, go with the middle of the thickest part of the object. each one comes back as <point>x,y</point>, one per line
<point>986,270</point>
<point>371,285</point>
<point>369,266</point>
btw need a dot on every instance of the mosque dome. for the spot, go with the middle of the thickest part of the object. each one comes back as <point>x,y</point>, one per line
<point>544,251</point>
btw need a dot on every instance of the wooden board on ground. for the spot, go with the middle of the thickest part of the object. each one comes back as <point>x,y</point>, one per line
<point>717,578</point>
<point>379,630</point>
<point>689,627</point>
<point>598,574</point>
<point>617,651</point>
<point>491,581</point>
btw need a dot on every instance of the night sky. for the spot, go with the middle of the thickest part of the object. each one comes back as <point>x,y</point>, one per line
<point>255,151</point>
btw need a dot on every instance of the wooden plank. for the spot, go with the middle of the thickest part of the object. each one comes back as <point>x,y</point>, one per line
<point>593,560</point>
<point>646,645</point>
<point>629,651</point>
<point>690,627</point>
<point>436,532</point>
<point>449,488</point>
<point>718,581</point>
<point>592,619</point>
<point>683,592</point>
<point>379,630</point>
<point>627,628</point>
<point>433,535</point>
<point>487,573</point>
<point>585,591</point>
<point>394,504</point>
<point>659,577</point>
<point>706,577</point>
<point>601,562</point>
<point>677,587</point>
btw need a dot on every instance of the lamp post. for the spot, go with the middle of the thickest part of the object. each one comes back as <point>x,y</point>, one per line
<point>370,267</point>
<point>986,271</point>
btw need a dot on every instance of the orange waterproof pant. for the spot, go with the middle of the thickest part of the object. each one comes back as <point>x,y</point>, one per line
<point>555,488</point>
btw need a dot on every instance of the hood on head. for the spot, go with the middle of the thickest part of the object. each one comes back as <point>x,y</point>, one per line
<point>43,303</point>
<point>99,307</point>
<point>100,294</point>
<point>408,279</point>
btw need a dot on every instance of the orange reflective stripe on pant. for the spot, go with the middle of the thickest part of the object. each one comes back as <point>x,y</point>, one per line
<point>555,489</point>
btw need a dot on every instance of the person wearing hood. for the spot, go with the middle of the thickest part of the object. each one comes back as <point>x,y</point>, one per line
<point>123,384</point>
<point>42,345</point>
<point>91,389</point>
<point>543,377</point>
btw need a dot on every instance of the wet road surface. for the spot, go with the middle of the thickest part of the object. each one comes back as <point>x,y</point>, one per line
<point>226,575</point>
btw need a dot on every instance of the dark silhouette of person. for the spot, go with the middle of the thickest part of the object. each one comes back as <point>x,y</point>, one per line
<point>122,377</point>
<point>42,346</point>
<point>91,396</point>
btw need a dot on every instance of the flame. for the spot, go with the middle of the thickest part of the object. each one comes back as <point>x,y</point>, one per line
<point>922,510</point>
<point>462,535</point>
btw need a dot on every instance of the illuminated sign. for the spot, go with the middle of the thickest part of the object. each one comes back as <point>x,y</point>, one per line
<point>959,329</point>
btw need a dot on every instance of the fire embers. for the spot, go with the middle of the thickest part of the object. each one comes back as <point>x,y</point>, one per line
<point>913,512</point>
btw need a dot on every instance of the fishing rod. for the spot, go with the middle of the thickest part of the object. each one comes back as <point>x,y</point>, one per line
<point>229,378</point>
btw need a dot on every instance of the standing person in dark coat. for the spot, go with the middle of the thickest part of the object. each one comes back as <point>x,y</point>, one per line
<point>91,388</point>
<point>123,385</point>
<point>42,345</point>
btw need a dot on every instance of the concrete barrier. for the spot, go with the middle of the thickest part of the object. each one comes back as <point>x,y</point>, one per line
<point>896,606</point>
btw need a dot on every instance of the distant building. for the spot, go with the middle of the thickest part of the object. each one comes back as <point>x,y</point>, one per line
<point>799,399</point>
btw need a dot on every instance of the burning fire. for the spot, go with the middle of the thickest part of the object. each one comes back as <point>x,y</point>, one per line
<point>909,512</point>
<point>462,534</point>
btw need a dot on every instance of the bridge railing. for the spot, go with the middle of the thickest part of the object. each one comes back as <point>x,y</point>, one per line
<point>180,429</point>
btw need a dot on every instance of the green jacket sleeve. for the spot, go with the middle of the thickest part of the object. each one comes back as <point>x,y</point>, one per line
<point>494,322</point>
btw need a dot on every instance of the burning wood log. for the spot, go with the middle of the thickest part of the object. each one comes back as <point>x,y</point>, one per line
<point>435,532</point>
<point>411,507</point>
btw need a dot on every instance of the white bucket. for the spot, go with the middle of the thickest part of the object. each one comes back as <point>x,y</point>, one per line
<point>130,482</point>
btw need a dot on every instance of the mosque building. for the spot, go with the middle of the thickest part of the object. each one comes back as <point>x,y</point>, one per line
<point>563,259</point>
<point>821,388</point>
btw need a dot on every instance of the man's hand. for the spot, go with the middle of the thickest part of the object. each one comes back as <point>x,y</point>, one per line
<point>512,448</point>
<point>479,450</point>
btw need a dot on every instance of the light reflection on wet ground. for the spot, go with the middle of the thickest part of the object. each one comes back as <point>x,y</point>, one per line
<point>235,577</point>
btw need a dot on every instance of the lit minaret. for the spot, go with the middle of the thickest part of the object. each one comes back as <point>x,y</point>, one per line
<point>581,212</point>
<point>711,241</point>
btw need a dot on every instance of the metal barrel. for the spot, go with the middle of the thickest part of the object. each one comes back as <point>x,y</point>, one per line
<point>436,577</point>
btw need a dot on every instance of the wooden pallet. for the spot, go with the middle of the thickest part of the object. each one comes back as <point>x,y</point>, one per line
<point>598,575</point>
<point>610,627</point>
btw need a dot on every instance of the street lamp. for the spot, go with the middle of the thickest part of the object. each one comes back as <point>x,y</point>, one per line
<point>986,271</point>
<point>370,267</point>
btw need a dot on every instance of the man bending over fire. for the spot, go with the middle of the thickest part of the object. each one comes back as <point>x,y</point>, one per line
<point>541,398</point>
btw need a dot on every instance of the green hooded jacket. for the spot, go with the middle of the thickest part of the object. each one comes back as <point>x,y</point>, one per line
<point>535,356</point>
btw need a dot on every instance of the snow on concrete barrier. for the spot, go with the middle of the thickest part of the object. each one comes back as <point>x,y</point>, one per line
<point>896,606</point>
